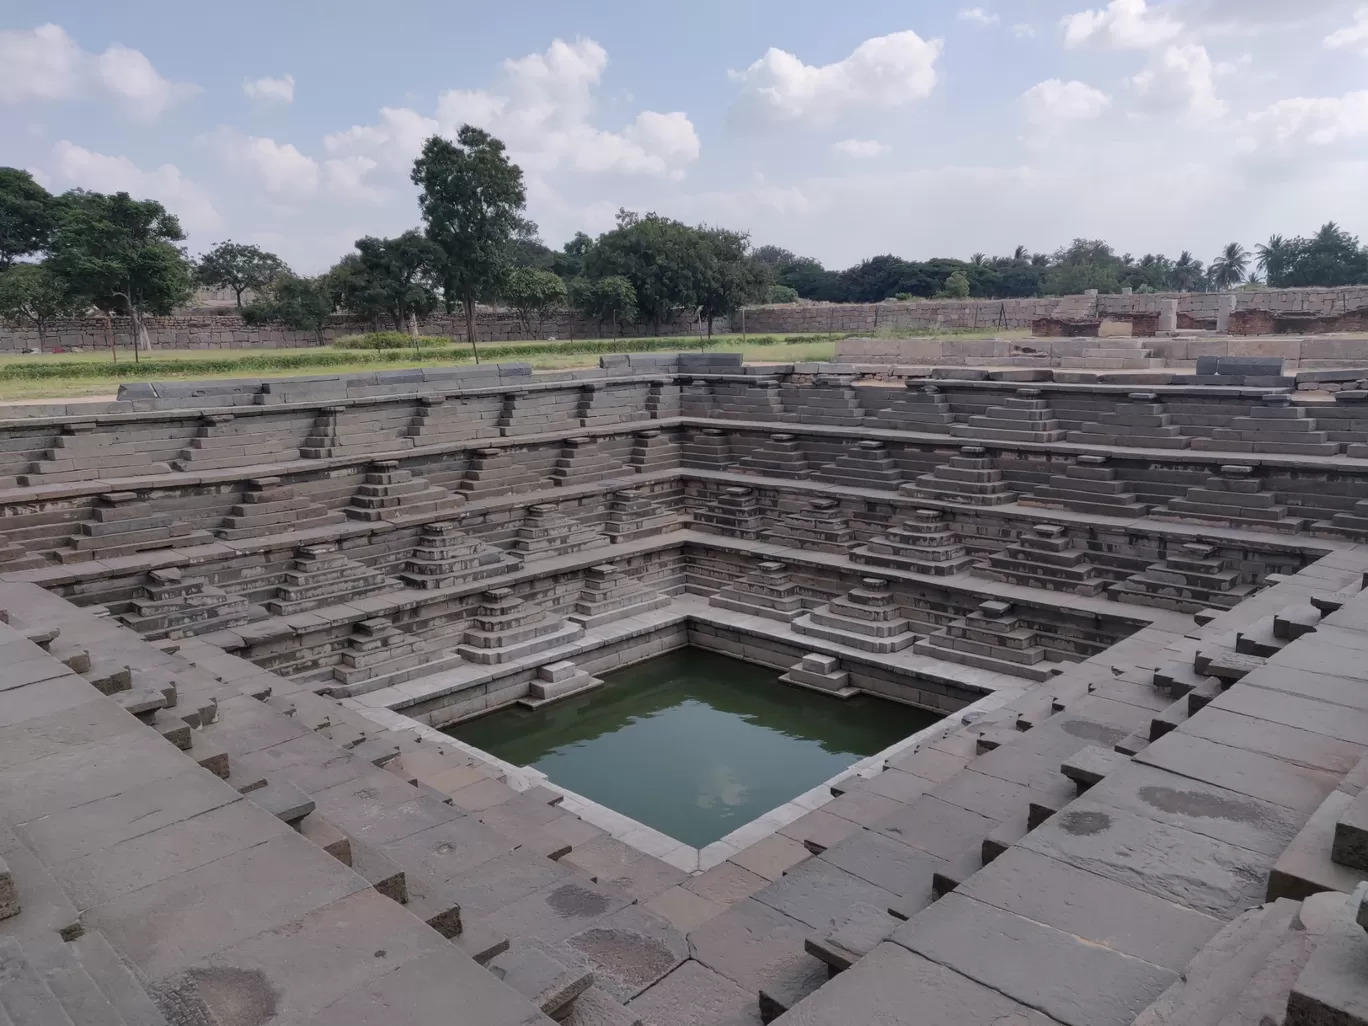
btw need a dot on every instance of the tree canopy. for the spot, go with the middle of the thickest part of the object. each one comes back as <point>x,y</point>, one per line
<point>236,266</point>
<point>391,278</point>
<point>27,216</point>
<point>32,293</point>
<point>471,197</point>
<point>120,255</point>
<point>533,294</point>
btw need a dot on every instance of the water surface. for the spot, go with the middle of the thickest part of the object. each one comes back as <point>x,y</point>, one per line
<point>692,743</point>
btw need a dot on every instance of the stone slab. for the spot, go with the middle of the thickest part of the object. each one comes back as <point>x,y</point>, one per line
<point>694,995</point>
<point>820,894</point>
<point>628,951</point>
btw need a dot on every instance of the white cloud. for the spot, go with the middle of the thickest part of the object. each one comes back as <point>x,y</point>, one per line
<point>861,149</point>
<point>1122,25</point>
<point>1351,37</point>
<point>78,166</point>
<point>1319,121</point>
<point>544,112</point>
<point>1024,31</point>
<point>978,16</point>
<point>270,90</point>
<point>1180,79</point>
<point>1051,104</point>
<point>346,177</point>
<point>280,168</point>
<point>882,73</point>
<point>45,63</point>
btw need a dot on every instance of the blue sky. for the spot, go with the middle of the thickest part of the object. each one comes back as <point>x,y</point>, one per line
<point>839,131</point>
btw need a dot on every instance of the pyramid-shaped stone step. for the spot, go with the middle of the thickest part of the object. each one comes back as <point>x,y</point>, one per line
<point>734,512</point>
<point>546,532</point>
<point>868,617</point>
<point>269,506</point>
<point>969,478</point>
<point>823,673</point>
<point>223,440</point>
<point>1191,578</point>
<point>358,430</point>
<point>124,523</point>
<point>505,628</point>
<point>85,451</point>
<point>1088,485</point>
<point>614,404</point>
<point>540,412</point>
<point>924,408</point>
<point>557,681</point>
<point>390,493</point>
<point>1142,421</point>
<point>1026,417</point>
<point>767,591</point>
<point>376,648</point>
<point>992,637</point>
<point>631,515</point>
<point>1233,496</point>
<point>866,464</point>
<point>924,543</point>
<point>1276,426</point>
<point>583,460</point>
<point>170,605</point>
<point>609,594</point>
<point>321,576</point>
<point>708,449</point>
<point>1044,557</point>
<point>444,419</point>
<point>445,556</point>
<point>830,399</point>
<point>653,451</point>
<point>821,525</point>
<point>778,456</point>
<point>496,472</point>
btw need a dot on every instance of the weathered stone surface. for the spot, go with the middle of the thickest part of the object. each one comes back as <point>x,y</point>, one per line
<point>694,995</point>
<point>629,951</point>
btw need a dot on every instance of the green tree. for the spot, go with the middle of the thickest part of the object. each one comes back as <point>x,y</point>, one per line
<point>666,262</point>
<point>303,304</point>
<point>956,286</point>
<point>611,299</point>
<point>27,215</point>
<point>236,266</point>
<point>730,279</point>
<point>533,293</point>
<point>1186,273</point>
<point>1229,268</point>
<point>1330,257</point>
<point>1274,258</point>
<point>121,256</point>
<point>32,293</point>
<point>391,278</point>
<point>471,197</point>
<point>569,262</point>
<point>782,294</point>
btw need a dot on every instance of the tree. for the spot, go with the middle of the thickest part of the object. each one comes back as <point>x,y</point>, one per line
<point>1274,258</point>
<point>121,256</point>
<point>666,262</point>
<point>781,294</point>
<point>27,215</point>
<point>1186,272</point>
<point>233,265</point>
<point>304,304</point>
<point>533,293</point>
<point>471,197</point>
<point>391,278</point>
<point>956,286</point>
<point>730,279</point>
<point>1330,257</point>
<point>610,299</point>
<point>31,292</point>
<point>569,262</point>
<point>1229,268</point>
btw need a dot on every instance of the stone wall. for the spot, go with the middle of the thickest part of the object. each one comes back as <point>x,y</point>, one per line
<point>1020,313</point>
<point>229,331</point>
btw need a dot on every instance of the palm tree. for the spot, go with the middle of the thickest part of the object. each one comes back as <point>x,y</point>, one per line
<point>1229,268</point>
<point>1187,272</point>
<point>1275,258</point>
<point>978,259</point>
<point>1020,255</point>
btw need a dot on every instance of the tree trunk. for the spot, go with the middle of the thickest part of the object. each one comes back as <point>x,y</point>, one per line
<point>143,341</point>
<point>413,325</point>
<point>239,296</point>
<point>469,302</point>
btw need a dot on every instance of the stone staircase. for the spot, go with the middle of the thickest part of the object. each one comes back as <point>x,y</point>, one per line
<point>970,478</point>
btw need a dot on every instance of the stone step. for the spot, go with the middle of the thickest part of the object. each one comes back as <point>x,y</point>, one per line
<point>24,995</point>
<point>116,980</point>
<point>530,968</point>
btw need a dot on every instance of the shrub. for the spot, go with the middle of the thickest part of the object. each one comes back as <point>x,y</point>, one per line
<point>378,340</point>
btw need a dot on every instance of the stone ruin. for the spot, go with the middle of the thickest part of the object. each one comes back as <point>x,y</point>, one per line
<point>238,614</point>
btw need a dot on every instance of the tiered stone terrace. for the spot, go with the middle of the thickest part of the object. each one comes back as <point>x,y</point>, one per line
<point>235,613</point>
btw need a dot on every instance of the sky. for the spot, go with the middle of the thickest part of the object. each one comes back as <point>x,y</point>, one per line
<point>838,131</point>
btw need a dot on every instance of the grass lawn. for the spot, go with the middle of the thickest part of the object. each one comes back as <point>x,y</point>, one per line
<point>94,373</point>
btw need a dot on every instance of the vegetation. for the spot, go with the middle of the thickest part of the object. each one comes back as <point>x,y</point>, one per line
<point>383,340</point>
<point>32,293</point>
<point>471,198</point>
<point>304,304</point>
<point>232,265</point>
<point>27,216</point>
<point>533,294</point>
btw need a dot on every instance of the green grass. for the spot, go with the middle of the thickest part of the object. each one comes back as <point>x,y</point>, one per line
<point>77,375</point>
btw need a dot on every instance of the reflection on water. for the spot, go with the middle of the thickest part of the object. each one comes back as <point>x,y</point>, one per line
<point>693,744</point>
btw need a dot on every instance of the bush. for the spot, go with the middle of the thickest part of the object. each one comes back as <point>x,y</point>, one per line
<point>378,340</point>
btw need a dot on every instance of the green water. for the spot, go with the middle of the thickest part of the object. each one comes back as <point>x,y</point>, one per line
<point>694,744</point>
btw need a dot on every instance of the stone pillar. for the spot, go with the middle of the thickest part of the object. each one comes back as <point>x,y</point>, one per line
<point>1168,316</point>
<point>1225,306</point>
